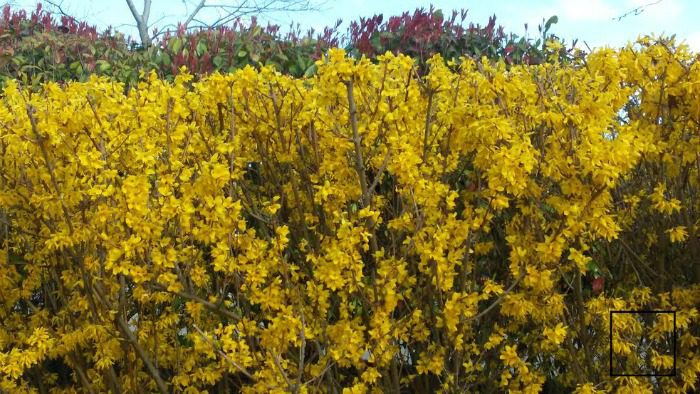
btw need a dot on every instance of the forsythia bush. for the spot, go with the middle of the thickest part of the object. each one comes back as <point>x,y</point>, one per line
<point>365,230</point>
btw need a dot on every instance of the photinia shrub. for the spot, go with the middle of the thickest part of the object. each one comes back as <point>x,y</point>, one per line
<point>38,48</point>
<point>425,33</point>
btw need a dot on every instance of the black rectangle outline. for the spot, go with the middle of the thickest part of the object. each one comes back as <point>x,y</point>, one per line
<point>672,374</point>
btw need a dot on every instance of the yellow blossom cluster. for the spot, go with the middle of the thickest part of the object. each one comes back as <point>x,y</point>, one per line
<point>367,229</point>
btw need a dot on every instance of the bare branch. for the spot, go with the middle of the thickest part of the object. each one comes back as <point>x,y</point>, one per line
<point>212,307</point>
<point>162,386</point>
<point>146,11</point>
<point>141,20</point>
<point>500,298</point>
<point>239,367</point>
<point>59,9</point>
<point>276,359</point>
<point>194,13</point>
<point>228,13</point>
<point>133,10</point>
<point>636,11</point>
<point>380,172</point>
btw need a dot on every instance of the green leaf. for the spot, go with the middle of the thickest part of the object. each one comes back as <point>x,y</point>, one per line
<point>311,71</point>
<point>163,59</point>
<point>294,70</point>
<point>592,267</point>
<point>242,53</point>
<point>552,20</point>
<point>376,42</point>
<point>218,61</point>
<point>201,48</point>
<point>103,65</point>
<point>76,67</point>
<point>177,45</point>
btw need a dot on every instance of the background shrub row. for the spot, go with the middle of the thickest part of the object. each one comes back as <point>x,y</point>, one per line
<point>36,47</point>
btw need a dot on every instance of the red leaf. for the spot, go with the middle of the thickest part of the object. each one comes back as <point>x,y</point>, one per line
<point>598,284</point>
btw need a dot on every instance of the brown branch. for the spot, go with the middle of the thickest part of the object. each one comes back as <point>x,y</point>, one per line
<point>378,176</point>
<point>49,165</point>
<point>499,299</point>
<point>357,141</point>
<point>276,359</point>
<point>302,352</point>
<point>162,387</point>
<point>428,125</point>
<point>134,342</point>
<point>243,370</point>
<point>211,306</point>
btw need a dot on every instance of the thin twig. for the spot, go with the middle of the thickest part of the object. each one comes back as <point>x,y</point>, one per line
<point>378,176</point>
<point>242,369</point>
<point>205,303</point>
<point>499,299</point>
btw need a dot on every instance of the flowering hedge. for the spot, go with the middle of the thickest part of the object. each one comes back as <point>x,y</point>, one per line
<point>367,229</point>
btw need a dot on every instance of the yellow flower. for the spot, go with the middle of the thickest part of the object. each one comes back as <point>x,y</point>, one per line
<point>554,336</point>
<point>677,234</point>
<point>509,356</point>
<point>587,388</point>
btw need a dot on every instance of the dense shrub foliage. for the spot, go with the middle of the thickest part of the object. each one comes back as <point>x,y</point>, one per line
<point>37,48</point>
<point>368,228</point>
<point>423,34</point>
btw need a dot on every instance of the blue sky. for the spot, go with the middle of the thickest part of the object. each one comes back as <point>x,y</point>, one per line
<point>588,20</point>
